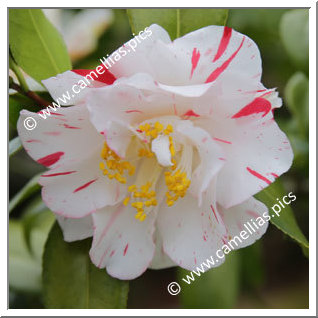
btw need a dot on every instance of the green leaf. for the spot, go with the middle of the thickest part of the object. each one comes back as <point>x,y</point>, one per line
<point>24,269</point>
<point>177,22</point>
<point>253,269</point>
<point>297,97</point>
<point>14,146</point>
<point>25,256</point>
<point>216,288</point>
<point>294,31</point>
<point>26,192</point>
<point>36,216</point>
<point>286,221</point>
<point>72,281</point>
<point>17,102</point>
<point>36,45</point>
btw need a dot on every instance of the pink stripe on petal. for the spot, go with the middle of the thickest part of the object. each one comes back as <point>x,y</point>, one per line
<point>57,114</point>
<point>70,127</point>
<point>258,105</point>
<point>190,113</point>
<point>133,111</point>
<point>227,32</point>
<point>52,133</point>
<point>257,175</point>
<point>57,174</point>
<point>222,140</point>
<point>125,250</point>
<point>107,77</point>
<point>216,73</point>
<point>194,60</point>
<point>102,258</point>
<point>214,213</point>
<point>50,159</point>
<point>110,223</point>
<point>84,186</point>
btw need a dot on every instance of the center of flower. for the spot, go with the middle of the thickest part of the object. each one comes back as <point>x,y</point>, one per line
<point>155,153</point>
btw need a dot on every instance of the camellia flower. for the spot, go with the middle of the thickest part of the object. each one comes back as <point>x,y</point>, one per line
<point>160,162</point>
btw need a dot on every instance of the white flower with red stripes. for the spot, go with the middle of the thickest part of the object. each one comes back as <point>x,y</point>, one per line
<point>160,160</point>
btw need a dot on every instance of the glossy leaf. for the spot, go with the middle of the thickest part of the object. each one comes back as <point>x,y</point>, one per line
<point>297,97</point>
<point>72,281</point>
<point>36,45</point>
<point>37,222</point>
<point>17,102</point>
<point>25,256</point>
<point>253,266</point>
<point>26,192</point>
<point>177,22</point>
<point>14,146</point>
<point>24,269</point>
<point>286,220</point>
<point>294,31</point>
<point>216,288</point>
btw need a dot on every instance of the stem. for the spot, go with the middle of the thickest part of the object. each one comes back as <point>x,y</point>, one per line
<point>34,96</point>
<point>178,23</point>
<point>14,67</point>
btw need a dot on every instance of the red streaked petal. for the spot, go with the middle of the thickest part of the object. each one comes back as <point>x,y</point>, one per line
<point>190,113</point>
<point>84,186</point>
<point>257,175</point>
<point>258,105</point>
<point>222,140</point>
<point>194,60</point>
<point>224,43</point>
<point>50,159</point>
<point>215,74</point>
<point>57,174</point>
<point>107,77</point>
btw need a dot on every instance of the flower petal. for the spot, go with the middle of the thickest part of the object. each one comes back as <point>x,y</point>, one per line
<point>133,56</point>
<point>55,140</point>
<point>71,87</point>
<point>247,216</point>
<point>160,146</point>
<point>256,153</point>
<point>121,243</point>
<point>161,259</point>
<point>79,190</point>
<point>138,98</point>
<point>76,229</point>
<point>210,154</point>
<point>205,55</point>
<point>191,234</point>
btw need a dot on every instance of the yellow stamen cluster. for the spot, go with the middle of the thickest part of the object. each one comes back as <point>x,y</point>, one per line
<point>115,165</point>
<point>143,152</point>
<point>143,198</point>
<point>171,147</point>
<point>146,198</point>
<point>177,184</point>
<point>154,130</point>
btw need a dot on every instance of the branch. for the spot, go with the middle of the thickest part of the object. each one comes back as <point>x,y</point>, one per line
<point>34,96</point>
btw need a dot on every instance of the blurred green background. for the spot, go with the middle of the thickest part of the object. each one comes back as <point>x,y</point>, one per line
<point>273,273</point>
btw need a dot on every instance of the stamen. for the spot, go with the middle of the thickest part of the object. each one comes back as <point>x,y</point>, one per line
<point>114,162</point>
<point>143,197</point>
